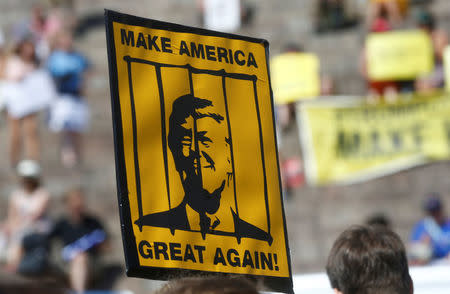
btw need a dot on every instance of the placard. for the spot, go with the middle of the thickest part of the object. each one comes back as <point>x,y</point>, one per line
<point>295,76</point>
<point>399,55</point>
<point>196,156</point>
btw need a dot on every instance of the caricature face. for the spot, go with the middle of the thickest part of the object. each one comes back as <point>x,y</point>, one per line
<point>197,139</point>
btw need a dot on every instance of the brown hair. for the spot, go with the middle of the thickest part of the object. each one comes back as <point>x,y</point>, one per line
<point>369,260</point>
<point>209,285</point>
<point>22,43</point>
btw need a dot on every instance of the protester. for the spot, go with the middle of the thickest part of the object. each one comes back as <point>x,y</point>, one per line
<point>246,12</point>
<point>34,29</point>
<point>2,44</point>
<point>396,10</point>
<point>378,89</point>
<point>26,91</point>
<point>2,65</point>
<point>27,213</point>
<point>209,285</point>
<point>285,113</point>
<point>83,237</point>
<point>436,79</point>
<point>430,237</point>
<point>60,18</point>
<point>332,15</point>
<point>70,113</point>
<point>370,260</point>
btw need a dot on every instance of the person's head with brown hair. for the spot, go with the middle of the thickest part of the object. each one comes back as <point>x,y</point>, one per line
<point>209,285</point>
<point>75,203</point>
<point>26,51</point>
<point>434,207</point>
<point>369,260</point>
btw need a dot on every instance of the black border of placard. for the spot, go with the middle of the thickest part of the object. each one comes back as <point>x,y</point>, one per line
<point>133,268</point>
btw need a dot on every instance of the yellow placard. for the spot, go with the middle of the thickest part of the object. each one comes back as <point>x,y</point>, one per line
<point>398,55</point>
<point>447,68</point>
<point>196,155</point>
<point>295,76</point>
<point>347,141</point>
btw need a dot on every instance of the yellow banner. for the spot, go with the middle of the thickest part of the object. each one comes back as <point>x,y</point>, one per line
<point>196,151</point>
<point>295,76</point>
<point>447,68</point>
<point>398,55</point>
<point>347,141</point>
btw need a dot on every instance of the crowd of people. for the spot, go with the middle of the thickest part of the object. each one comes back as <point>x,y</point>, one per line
<point>28,233</point>
<point>381,16</point>
<point>367,259</point>
<point>363,260</point>
<point>42,81</point>
<point>430,238</point>
<point>39,61</point>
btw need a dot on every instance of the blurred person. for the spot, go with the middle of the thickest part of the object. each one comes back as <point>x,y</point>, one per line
<point>27,213</point>
<point>60,18</point>
<point>26,91</point>
<point>396,10</point>
<point>16,68</point>
<point>285,113</point>
<point>2,65</point>
<point>292,168</point>
<point>327,86</point>
<point>209,285</point>
<point>38,30</point>
<point>378,90</point>
<point>369,260</point>
<point>83,237</point>
<point>45,24</point>
<point>293,175</point>
<point>34,28</point>
<point>430,237</point>
<point>332,15</point>
<point>379,219</point>
<point>247,12</point>
<point>436,79</point>
<point>70,113</point>
<point>2,42</point>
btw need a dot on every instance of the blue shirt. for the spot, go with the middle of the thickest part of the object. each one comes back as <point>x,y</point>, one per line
<point>439,235</point>
<point>67,70</point>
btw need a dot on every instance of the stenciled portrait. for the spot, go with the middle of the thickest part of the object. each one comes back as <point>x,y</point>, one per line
<point>200,170</point>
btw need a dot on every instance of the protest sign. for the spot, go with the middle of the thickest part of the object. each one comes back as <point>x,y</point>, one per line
<point>398,55</point>
<point>196,157</point>
<point>295,76</point>
<point>447,68</point>
<point>346,140</point>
